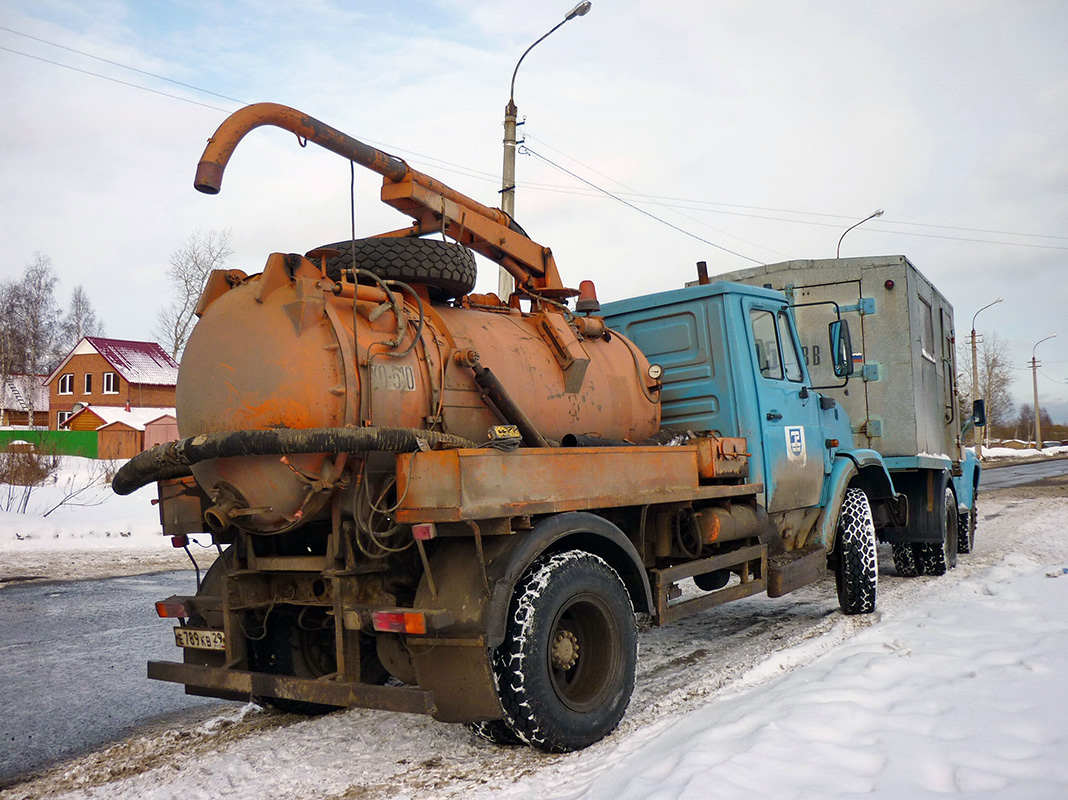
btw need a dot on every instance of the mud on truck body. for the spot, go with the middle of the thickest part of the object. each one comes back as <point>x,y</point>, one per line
<point>433,501</point>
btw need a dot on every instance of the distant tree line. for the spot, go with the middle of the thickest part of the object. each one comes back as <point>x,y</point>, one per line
<point>35,334</point>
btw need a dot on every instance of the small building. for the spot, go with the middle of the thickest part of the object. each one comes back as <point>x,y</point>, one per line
<point>21,394</point>
<point>118,373</point>
<point>124,432</point>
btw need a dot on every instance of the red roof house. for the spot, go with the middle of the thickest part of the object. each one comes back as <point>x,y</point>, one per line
<point>111,372</point>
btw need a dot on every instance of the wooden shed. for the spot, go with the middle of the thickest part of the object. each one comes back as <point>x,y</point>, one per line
<point>125,432</point>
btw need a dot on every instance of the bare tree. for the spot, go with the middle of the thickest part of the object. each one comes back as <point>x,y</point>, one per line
<point>995,378</point>
<point>80,320</point>
<point>190,266</point>
<point>30,337</point>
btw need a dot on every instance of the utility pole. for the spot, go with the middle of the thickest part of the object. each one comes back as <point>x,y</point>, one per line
<point>1034,376</point>
<point>976,438</point>
<point>505,283</point>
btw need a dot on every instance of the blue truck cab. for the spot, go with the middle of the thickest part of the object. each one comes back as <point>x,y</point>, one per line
<point>902,397</point>
<point>733,365</point>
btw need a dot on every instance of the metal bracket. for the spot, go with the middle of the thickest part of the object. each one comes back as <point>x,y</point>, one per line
<point>865,306</point>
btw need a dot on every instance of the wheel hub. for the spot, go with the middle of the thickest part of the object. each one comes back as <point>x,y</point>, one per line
<point>565,650</point>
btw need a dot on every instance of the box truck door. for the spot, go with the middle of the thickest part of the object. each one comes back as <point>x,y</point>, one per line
<point>792,444</point>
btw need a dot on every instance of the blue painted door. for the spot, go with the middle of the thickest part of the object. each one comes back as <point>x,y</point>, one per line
<point>792,442</point>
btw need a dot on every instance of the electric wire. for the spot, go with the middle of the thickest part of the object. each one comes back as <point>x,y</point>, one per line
<point>594,190</point>
<point>526,149</point>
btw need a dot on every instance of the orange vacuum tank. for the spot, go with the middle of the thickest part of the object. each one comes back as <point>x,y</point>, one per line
<point>292,349</point>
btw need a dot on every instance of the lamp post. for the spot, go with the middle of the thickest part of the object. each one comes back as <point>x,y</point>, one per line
<point>1034,376</point>
<point>873,215</point>
<point>976,439</point>
<point>505,283</point>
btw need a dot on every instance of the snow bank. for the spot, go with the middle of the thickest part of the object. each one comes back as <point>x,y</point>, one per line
<point>964,695</point>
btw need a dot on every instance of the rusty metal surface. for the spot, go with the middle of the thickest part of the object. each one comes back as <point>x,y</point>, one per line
<point>750,561</point>
<point>258,684</point>
<point>449,486</point>
<point>431,203</point>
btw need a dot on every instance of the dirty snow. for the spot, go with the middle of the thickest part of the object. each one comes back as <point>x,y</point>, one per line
<point>954,687</point>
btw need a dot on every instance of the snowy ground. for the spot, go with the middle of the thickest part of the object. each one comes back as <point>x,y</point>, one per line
<point>954,687</point>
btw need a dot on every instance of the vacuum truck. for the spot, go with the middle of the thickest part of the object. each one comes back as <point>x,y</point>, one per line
<point>433,501</point>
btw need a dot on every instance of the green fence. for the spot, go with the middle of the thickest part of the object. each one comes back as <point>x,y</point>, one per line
<point>65,443</point>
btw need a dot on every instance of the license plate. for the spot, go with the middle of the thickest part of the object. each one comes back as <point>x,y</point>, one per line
<point>200,638</point>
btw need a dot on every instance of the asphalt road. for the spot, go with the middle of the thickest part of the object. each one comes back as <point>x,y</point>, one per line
<point>1021,474</point>
<point>73,666</point>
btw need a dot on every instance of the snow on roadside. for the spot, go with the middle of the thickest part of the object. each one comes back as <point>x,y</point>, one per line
<point>88,532</point>
<point>953,687</point>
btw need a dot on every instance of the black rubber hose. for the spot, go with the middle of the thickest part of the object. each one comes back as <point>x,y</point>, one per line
<point>172,460</point>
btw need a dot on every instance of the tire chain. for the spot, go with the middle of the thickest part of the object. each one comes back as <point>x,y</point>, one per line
<point>857,553</point>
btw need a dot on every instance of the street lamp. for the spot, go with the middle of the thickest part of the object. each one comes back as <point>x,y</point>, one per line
<point>976,439</point>
<point>1034,376</point>
<point>873,215</point>
<point>505,284</point>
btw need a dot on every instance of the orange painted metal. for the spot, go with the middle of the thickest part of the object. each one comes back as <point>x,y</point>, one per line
<point>433,205</point>
<point>282,350</point>
<point>455,485</point>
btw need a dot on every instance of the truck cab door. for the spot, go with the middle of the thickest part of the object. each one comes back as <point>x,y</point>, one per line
<point>794,455</point>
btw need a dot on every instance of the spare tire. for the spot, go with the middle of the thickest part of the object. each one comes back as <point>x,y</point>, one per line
<point>447,269</point>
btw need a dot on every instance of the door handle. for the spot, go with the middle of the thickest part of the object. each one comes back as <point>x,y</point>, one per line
<point>773,416</point>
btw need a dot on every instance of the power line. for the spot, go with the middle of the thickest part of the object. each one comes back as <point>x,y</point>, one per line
<point>117,64</point>
<point>115,80</point>
<point>662,201</point>
<point>634,207</point>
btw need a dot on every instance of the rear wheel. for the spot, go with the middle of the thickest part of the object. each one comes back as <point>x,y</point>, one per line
<point>496,731</point>
<point>298,642</point>
<point>966,530</point>
<point>938,557</point>
<point>565,671</point>
<point>856,568</point>
<point>906,561</point>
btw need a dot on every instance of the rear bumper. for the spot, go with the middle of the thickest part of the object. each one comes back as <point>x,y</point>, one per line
<point>228,683</point>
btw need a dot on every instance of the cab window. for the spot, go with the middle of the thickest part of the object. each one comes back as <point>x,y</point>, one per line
<point>790,361</point>
<point>766,343</point>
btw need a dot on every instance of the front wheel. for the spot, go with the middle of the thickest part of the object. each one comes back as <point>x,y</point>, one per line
<point>856,570</point>
<point>565,671</point>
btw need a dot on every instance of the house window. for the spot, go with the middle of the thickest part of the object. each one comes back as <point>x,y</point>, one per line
<point>66,383</point>
<point>111,383</point>
<point>62,416</point>
<point>88,383</point>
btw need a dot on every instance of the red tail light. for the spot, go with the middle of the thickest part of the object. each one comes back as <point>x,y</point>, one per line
<point>399,621</point>
<point>172,608</point>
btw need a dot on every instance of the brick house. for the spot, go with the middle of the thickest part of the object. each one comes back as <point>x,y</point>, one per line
<point>110,373</point>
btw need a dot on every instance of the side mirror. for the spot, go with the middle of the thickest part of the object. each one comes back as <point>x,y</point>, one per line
<point>841,347</point>
<point>979,413</point>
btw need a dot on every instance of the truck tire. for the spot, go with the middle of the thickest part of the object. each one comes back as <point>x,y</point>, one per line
<point>966,530</point>
<point>298,643</point>
<point>495,731</point>
<point>565,671</point>
<point>447,269</point>
<point>938,557</point>
<point>856,568</point>
<point>906,562</point>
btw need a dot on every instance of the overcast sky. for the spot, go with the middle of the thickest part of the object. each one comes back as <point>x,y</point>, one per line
<point>761,130</point>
